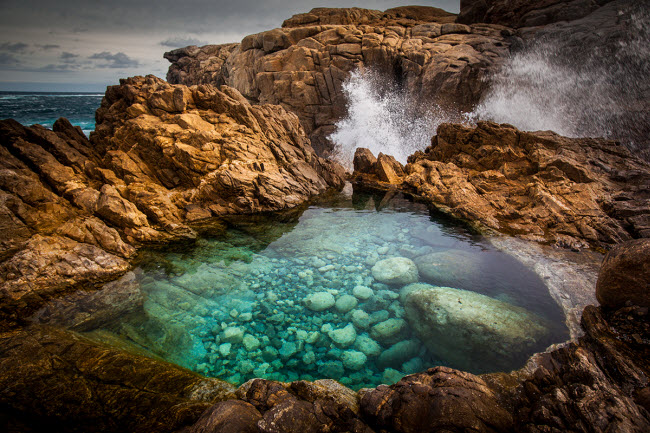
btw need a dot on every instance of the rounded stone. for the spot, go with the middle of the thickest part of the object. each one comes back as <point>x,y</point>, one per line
<point>251,343</point>
<point>367,345</point>
<point>387,330</point>
<point>624,276</point>
<point>233,334</point>
<point>345,303</point>
<point>362,292</point>
<point>353,359</point>
<point>395,271</point>
<point>360,319</point>
<point>319,301</point>
<point>343,337</point>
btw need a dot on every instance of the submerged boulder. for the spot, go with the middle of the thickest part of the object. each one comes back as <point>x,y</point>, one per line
<point>396,271</point>
<point>450,267</point>
<point>468,330</point>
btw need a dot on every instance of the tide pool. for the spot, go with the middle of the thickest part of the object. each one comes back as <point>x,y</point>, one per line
<point>359,288</point>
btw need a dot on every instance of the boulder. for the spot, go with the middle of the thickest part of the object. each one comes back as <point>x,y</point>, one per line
<point>396,271</point>
<point>440,399</point>
<point>624,277</point>
<point>451,267</point>
<point>388,330</point>
<point>471,331</point>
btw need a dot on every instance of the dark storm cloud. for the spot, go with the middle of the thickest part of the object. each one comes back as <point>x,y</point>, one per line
<point>196,16</point>
<point>175,42</point>
<point>17,47</point>
<point>117,60</point>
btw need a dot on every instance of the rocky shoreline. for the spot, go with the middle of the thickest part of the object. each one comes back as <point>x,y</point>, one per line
<point>232,133</point>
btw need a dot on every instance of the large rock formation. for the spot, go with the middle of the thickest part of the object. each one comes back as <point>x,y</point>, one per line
<point>575,192</point>
<point>161,157</point>
<point>302,65</point>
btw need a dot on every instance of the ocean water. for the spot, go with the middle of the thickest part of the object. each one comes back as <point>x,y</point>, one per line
<point>241,302</point>
<point>44,108</point>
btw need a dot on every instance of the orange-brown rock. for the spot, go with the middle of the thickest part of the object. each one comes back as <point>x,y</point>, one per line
<point>624,277</point>
<point>302,65</point>
<point>162,156</point>
<point>574,192</point>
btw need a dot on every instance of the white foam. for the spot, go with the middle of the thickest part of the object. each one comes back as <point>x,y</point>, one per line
<point>383,119</point>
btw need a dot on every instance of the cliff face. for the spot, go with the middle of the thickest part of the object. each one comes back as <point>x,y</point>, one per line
<point>525,13</point>
<point>302,65</point>
<point>161,157</point>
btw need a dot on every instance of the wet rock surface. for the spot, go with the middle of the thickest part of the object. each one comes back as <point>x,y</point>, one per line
<point>56,380</point>
<point>574,192</point>
<point>303,65</point>
<point>624,276</point>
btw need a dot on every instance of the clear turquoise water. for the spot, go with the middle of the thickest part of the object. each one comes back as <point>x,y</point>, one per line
<point>250,276</point>
<point>42,108</point>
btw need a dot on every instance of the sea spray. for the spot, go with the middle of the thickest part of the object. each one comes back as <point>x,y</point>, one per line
<point>590,88</point>
<point>383,118</point>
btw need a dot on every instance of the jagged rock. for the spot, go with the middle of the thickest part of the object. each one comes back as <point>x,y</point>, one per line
<point>58,380</point>
<point>441,399</point>
<point>388,169</point>
<point>302,65</point>
<point>575,192</point>
<point>624,276</point>
<point>161,156</point>
<point>364,161</point>
<point>488,330</point>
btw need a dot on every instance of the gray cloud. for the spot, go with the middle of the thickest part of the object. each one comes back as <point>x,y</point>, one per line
<point>117,60</point>
<point>17,47</point>
<point>177,42</point>
<point>8,60</point>
<point>65,67</point>
<point>69,58</point>
<point>48,47</point>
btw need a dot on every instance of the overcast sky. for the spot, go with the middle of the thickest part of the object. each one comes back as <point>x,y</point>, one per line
<point>85,45</point>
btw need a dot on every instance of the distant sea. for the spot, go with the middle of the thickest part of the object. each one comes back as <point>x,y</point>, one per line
<point>45,108</point>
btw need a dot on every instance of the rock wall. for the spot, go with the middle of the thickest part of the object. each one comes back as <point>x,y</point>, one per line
<point>302,65</point>
<point>525,13</point>
<point>161,157</point>
<point>574,192</point>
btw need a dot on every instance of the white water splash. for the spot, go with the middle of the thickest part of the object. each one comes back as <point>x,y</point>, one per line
<point>382,119</point>
<point>577,92</point>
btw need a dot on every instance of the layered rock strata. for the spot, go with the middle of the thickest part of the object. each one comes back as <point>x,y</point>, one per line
<point>161,157</point>
<point>574,192</point>
<point>303,65</point>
